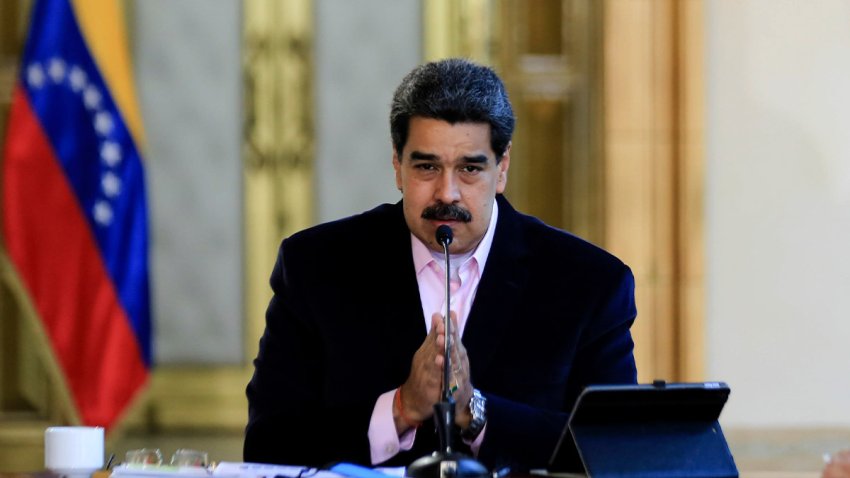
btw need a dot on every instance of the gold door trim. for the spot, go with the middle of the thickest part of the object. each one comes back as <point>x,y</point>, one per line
<point>654,175</point>
<point>620,83</point>
<point>278,156</point>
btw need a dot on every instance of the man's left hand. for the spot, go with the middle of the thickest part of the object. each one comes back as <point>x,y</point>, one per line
<point>459,376</point>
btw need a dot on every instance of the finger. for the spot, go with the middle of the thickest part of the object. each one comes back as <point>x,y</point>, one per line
<point>439,328</point>
<point>455,329</point>
<point>436,321</point>
<point>458,350</point>
<point>440,351</point>
<point>453,317</point>
<point>462,357</point>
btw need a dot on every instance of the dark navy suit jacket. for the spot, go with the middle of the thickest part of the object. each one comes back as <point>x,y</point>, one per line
<point>551,315</point>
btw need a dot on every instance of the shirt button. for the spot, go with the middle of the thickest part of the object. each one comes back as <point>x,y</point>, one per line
<point>390,448</point>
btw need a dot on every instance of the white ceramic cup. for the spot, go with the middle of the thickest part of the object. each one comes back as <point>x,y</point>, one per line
<point>73,450</point>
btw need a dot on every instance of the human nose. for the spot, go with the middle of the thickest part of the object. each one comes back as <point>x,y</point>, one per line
<point>447,190</point>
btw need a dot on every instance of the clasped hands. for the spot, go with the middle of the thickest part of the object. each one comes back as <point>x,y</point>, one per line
<point>423,388</point>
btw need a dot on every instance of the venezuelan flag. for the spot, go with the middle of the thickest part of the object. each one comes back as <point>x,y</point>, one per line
<point>74,210</point>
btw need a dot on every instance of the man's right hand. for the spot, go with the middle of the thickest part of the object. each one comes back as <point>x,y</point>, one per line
<point>422,389</point>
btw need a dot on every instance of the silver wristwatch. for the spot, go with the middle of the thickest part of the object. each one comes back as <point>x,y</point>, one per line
<point>478,409</point>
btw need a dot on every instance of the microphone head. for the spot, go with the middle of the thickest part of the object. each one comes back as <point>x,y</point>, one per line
<point>445,235</point>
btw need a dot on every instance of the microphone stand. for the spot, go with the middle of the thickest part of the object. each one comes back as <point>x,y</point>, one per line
<point>446,463</point>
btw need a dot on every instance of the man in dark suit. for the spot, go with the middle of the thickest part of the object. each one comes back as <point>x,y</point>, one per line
<point>350,364</point>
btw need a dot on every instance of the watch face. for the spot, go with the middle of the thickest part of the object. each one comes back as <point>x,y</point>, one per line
<point>476,404</point>
<point>477,408</point>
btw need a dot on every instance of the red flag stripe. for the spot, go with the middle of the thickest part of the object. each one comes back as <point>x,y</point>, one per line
<point>49,239</point>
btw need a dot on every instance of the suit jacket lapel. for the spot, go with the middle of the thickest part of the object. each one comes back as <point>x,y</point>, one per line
<point>396,298</point>
<point>499,292</point>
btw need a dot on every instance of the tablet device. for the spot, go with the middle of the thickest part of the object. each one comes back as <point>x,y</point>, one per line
<point>662,429</point>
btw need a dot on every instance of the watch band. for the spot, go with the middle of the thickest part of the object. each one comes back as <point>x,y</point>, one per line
<point>478,409</point>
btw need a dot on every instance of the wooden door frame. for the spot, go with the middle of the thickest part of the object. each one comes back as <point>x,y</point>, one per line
<point>654,171</point>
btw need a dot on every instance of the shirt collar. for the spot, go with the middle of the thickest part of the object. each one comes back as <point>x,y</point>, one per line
<point>422,255</point>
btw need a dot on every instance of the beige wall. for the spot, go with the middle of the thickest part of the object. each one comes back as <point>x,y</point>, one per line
<point>188,72</point>
<point>778,209</point>
<point>363,50</point>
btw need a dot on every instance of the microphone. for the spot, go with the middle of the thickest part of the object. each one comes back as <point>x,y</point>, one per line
<point>446,463</point>
<point>444,237</point>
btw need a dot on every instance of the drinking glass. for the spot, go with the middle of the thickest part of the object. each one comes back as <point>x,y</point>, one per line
<point>144,457</point>
<point>187,457</point>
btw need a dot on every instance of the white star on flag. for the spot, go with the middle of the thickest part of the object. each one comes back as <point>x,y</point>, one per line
<point>111,184</point>
<point>35,75</point>
<point>103,123</point>
<point>91,97</point>
<point>56,70</point>
<point>110,152</point>
<point>78,79</point>
<point>102,213</point>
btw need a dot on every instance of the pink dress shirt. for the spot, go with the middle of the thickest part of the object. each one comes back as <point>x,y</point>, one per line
<point>466,273</point>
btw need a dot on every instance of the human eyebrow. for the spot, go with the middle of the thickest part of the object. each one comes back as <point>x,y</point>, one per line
<point>477,159</point>
<point>420,156</point>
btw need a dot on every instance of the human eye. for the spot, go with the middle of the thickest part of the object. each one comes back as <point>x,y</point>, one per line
<point>471,169</point>
<point>424,166</point>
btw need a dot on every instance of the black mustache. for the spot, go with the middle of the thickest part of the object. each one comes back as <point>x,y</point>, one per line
<point>446,212</point>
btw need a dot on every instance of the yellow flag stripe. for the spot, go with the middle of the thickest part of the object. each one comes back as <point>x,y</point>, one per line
<point>102,25</point>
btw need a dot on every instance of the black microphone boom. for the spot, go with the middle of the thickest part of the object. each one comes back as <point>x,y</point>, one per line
<point>446,463</point>
<point>445,235</point>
